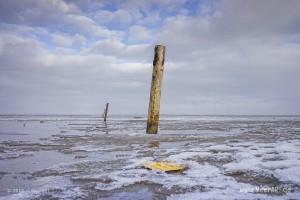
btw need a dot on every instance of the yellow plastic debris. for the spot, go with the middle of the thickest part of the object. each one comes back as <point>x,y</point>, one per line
<point>164,166</point>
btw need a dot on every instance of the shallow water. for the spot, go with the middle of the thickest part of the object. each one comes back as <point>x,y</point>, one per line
<point>80,157</point>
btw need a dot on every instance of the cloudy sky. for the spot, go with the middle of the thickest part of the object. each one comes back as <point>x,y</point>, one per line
<point>222,57</point>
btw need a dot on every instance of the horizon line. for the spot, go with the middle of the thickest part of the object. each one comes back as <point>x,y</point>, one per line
<point>139,114</point>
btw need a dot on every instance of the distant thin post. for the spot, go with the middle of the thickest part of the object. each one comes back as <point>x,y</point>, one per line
<point>155,92</point>
<point>105,111</point>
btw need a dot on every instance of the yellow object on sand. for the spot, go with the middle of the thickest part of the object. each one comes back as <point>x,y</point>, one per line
<point>164,166</point>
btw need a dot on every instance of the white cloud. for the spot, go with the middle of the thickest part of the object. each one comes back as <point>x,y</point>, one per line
<point>138,33</point>
<point>116,48</point>
<point>33,12</point>
<point>80,40</point>
<point>90,27</point>
<point>121,16</point>
<point>61,40</point>
<point>132,67</point>
<point>231,57</point>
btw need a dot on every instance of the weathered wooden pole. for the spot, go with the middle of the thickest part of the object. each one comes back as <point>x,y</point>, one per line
<point>154,102</point>
<point>105,112</point>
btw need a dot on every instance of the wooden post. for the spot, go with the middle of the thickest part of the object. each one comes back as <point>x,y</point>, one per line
<point>105,112</point>
<point>154,102</point>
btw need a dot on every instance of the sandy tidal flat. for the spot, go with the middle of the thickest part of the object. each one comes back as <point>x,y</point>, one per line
<point>80,157</point>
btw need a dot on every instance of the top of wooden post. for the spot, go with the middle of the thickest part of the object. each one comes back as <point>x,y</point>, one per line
<point>159,47</point>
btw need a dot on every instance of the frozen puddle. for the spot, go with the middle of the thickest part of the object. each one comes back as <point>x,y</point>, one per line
<point>82,158</point>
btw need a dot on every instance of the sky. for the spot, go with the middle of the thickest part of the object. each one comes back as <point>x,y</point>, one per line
<point>222,57</point>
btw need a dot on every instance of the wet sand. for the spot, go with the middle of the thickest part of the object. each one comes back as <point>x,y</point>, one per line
<point>80,157</point>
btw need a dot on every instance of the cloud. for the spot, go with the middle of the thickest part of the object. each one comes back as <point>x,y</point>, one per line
<point>35,12</point>
<point>222,57</point>
<point>49,79</point>
<point>116,48</point>
<point>90,27</point>
<point>138,33</point>
<point>243,64</point>
<point>119,16</point>
<point>55,15</point>
<point>61,40</point>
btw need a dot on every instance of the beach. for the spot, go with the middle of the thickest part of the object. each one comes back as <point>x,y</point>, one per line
<point>81,157</point>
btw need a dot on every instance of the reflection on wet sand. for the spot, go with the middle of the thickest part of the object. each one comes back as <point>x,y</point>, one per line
<point>83,157</point>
